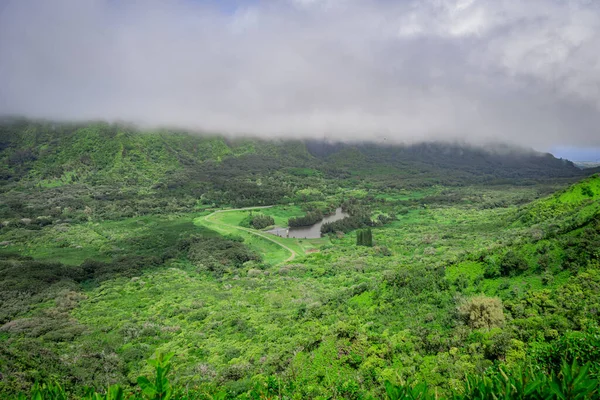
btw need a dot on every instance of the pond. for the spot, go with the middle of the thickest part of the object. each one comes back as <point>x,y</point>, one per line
<point>308,232</point>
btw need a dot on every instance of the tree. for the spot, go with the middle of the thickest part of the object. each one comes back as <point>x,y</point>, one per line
<point>368,238</point>
<point>512,263</point>
<point>311,218</point>
<point>364,237</point>
<point>482,312</point>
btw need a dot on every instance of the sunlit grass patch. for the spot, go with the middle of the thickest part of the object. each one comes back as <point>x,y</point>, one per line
<point>470,269</point>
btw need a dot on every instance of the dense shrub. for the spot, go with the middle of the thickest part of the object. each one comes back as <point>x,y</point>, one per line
<point>512,264</point>
<point>491,269</point>
<point>347,224</point>
<point>257,221</point>
<point>216,253</point>
<point>482,312</point>
<point>572,382</point>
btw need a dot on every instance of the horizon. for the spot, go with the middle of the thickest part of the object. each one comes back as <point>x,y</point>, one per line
<point>577,154</point>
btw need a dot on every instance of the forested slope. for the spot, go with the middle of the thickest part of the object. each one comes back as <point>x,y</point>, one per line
<point>52,154</point>
<point>122,171</point>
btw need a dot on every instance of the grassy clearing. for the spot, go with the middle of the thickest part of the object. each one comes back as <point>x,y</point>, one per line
<point>273,249</point>
<point>227,223</point>
<point>281,214</point>
<point>271,252</point>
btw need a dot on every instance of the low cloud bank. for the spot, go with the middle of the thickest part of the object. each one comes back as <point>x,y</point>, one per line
<point>525,73</point>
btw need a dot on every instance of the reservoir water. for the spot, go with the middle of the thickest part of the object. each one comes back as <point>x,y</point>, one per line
<point>308,232</point>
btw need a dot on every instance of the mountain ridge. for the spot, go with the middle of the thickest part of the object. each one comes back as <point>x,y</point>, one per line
<point>66,153</point>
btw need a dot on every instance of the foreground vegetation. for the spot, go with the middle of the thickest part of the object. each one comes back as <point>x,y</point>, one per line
<point>478,277</point>
<point>571,382</point>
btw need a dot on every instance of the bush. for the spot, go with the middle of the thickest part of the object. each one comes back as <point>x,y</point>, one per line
<point>512,263</point>
<point>482,312</point>
<point>216,253</point>
<point>491,268</point>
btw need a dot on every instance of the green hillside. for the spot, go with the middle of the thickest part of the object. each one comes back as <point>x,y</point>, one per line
<point>51,154</point>
<point>119,246</point>
<point>54,154</point>
<point>578,203</point>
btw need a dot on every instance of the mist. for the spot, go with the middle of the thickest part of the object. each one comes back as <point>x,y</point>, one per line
<point>521,72</point>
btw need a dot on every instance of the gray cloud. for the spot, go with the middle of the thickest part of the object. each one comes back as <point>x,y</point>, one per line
<point>523,72</point>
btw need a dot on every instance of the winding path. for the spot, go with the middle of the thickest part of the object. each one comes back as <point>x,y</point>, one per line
<point>293,254</point>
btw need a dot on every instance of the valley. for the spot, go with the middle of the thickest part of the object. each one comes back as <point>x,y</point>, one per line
<point>299,200</point>
<point>109,258</point>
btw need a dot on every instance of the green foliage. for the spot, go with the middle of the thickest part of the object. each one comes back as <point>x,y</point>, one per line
<point>54,391</point>
<point>160,388</point>
<point>571,382</point>
<point>257,221</point>
<point>364,237</point>
<point>310,218</point>
<point>492,269</point>
<point>511,264</point>
<point>216,254</point>
<point>573,346</point>
<point>406,392</point>
<point>116,245</point>
<point>482,312</point>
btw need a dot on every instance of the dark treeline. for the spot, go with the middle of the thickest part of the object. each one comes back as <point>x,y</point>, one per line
<point>257,221</point>
<point>359,217</point>
<point>347,224</point>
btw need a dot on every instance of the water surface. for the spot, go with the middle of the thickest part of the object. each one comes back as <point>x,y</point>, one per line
<point>308,232</point>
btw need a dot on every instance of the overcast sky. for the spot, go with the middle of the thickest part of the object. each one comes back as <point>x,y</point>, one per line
<point>523,72</point>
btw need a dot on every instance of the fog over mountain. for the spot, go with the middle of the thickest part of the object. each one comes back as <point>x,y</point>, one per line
<point>521,72</point>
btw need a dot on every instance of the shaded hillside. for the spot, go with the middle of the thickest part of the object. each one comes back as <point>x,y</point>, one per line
<point>467,162</point>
